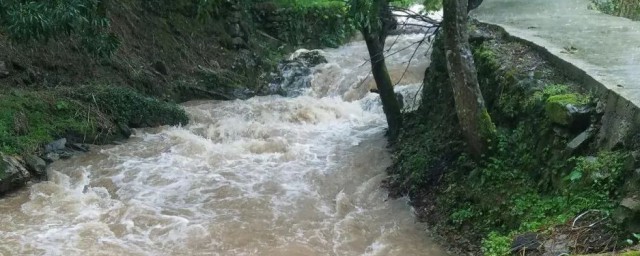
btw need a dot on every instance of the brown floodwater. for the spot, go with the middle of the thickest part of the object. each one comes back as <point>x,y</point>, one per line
<point>265,176</point>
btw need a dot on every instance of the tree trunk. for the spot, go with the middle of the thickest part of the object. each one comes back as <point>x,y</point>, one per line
<point>473,117</point>
<point>385,87</point>
<point>375,44</point>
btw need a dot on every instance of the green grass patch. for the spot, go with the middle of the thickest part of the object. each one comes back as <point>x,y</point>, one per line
<point>31,119</point>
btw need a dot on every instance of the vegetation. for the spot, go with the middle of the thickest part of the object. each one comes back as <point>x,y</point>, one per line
<point>31,119</point>
<point>46,20</point>
<point>307,23</point>
<point>473,118</point>
<point>624,8</point>
<point>528,182</point>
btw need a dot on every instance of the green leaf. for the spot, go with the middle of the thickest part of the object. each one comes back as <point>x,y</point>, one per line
<point>575,175</point>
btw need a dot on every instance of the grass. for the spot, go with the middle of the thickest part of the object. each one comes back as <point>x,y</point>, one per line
<point>31,119</point>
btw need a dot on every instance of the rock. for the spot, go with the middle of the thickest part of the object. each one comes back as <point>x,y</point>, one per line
<point>309,58</point>
<point>55,145</point>
<point>124,130</point>
<point>51,157</point>
<point>631,203</point>
<point>558,245</point>
<point>37,166</point>
<point>65,154</point>
<point>526,242</point>
<point>79,147</point>
<point>580,140</point>
<point>13,174</point>
<point>4,72</point>
<point>628,213</point>
<point>161,68</point>
<point>570,110</point>
<point>479,36</point>
<point>292,80</point>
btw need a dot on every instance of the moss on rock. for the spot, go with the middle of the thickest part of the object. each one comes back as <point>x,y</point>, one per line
<point>558,107</point>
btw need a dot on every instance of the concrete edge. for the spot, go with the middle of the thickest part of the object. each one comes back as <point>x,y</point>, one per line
<point>621,118</point>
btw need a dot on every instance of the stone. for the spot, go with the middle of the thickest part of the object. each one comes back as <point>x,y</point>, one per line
<point>309,58</point>
<point>55,145</point>
<point>526,242</point>
<point>4,72</point>
<point>124,130</point>
<point>36,165</point>
<point>13,174</point>
<point>79,147</point>
<point>570,110</point>
<point>557,245</point>
<point>631,203</point>
<point>51,157</point>
<point>581,140</point>
<point>65,154</point>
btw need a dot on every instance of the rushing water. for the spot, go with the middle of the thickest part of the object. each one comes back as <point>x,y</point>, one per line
<point>265,176</point>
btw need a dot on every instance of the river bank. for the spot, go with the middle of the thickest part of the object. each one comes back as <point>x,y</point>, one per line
<point>160,54</point>
<point>544,175</point>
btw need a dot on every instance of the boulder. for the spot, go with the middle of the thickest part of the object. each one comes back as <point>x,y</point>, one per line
<point>628,213</point>
<point>309,58</point>
<point>35,165</point>
<point>559,244</point>
<point>55,145</point>
<point>79,147</point>
<point>526,242</point>
<point>51,157</point>
<point>581,140</point>
<point>570,110</point>
<point>13,174</point>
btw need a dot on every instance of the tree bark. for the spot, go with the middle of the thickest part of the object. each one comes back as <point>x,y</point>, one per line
<point>375,41</point>
<point>385,88</point>
<point>473,117</point>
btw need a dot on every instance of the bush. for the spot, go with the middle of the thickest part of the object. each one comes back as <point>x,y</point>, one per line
<point>129,107</point>
<point>309,23</point>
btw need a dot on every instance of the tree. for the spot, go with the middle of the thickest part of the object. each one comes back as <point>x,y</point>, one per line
<point>374,20</point>
<point>476,124</point>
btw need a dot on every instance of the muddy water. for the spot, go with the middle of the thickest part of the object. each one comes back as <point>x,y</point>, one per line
<point>266,176</point>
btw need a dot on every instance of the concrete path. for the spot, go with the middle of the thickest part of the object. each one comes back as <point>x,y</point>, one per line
<point>602,48</point>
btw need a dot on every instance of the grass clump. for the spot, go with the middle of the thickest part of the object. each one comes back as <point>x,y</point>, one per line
<point>29,120</point>
<point>132,108</point>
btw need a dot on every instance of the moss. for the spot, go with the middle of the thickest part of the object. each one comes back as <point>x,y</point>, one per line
<point>556,106</point>
<point>487,127</point>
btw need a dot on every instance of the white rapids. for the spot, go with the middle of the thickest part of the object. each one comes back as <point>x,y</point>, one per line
<point>265,176</point>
